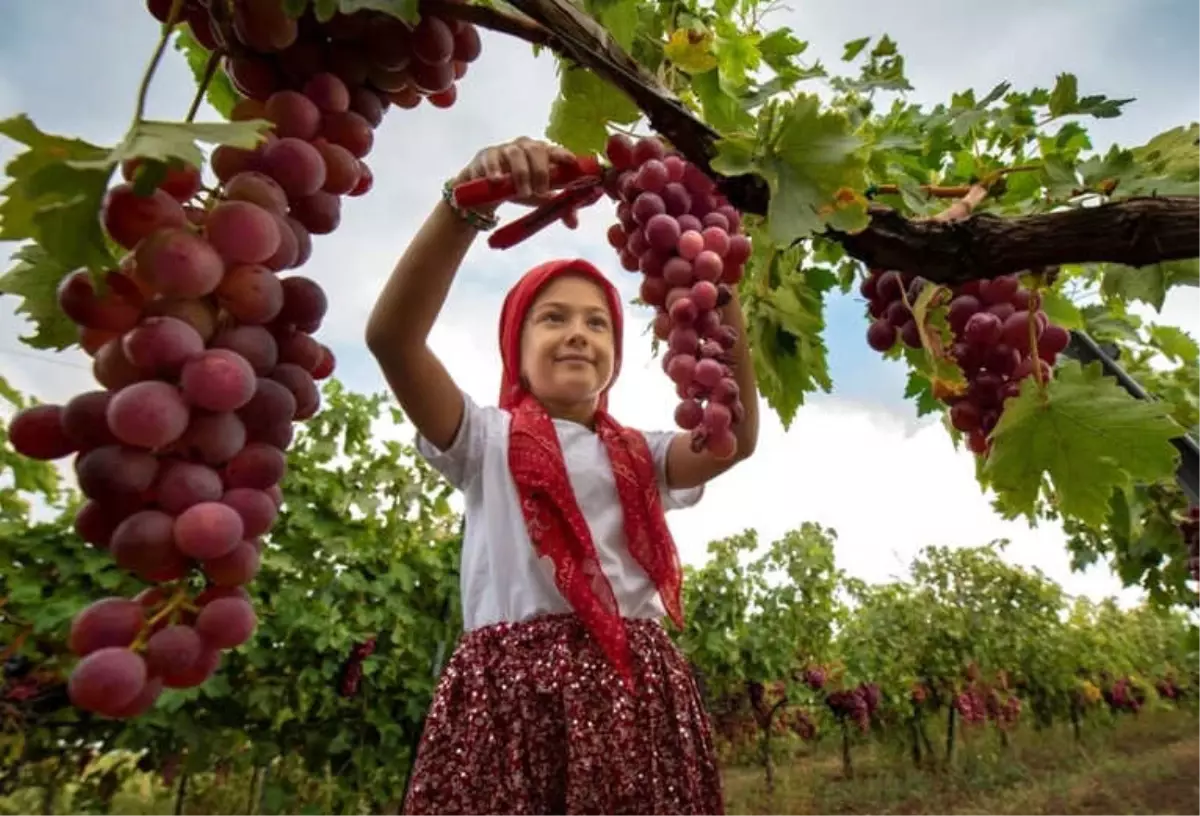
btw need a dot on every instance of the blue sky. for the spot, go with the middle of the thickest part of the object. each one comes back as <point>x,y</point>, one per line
<point>74,66</point>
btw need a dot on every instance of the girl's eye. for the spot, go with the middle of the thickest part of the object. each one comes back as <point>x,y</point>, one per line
<point>599,323</point>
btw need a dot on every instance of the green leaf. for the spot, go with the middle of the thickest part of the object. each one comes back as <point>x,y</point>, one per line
<point>1087,435</point>
<point>721,110</point>
<point>406,10</point>
<point>809,159</point>
<point>1060,309</point>
<point>1065,96</point>
<point>1148,284</point>
<point>167,141</point>
<point>919,386</point>
<point>34,278</point>
<point>1176,344</point>
<point>737,57</point>
<point>854,48</point>
<point>621,18</point>
<point>585,105</point>
<point>220,92</point>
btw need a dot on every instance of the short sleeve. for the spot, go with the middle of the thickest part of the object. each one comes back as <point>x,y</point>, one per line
<point>659,443</point>
<point>463,460</point>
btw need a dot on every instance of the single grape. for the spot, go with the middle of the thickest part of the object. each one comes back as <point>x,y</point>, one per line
<point>330,94</point>
<point>208,530</point>
<point>366,180</point>
<point>272,403</point>
<point>341,167</point>
<point>881,335</point>
<point>211,438</point>
<point>1052,342</point>
<point>181,264</point>
<point>256,466</point>
<point>690,245</point>
<point>162,345</point>
<point>646,206</point>
<point>910,334</point>
<point>149,414</point>
<point>432,41</point>
<point>683,311</point>
<point>144,544</point>
<point>251,293</point>
<point>107,681</point>
<point>226,623</point>
<point>964,416</point>
<point>652,176</point>
<point>662,232</point>
<point>676,199</point>
<point>129,217</point>
<point>107,623</point>
<point>999,290</point>
<point>236,568</point>
<point>183,484</point>
<point>199,313</point>
<point>254,343</point>
<point>722,444</point>
<point>115,474</point>
<point>37,432</point>
<point>620,151</point>
<point>300,349</point>
<point>983,329</point>
<point>326,365</point>
<point>708,266</point>
<point>704,295</point>
<point>688,414</point>
<point>320,213</point>
<point>304,301</point>
<point>296,165</point>
<point>256,509</point>
<point>646,149</point>
<point>294,115</point>
<point>95,522</point>
<point>257,188</point>
<point>1016,331</point>
<point>181,181</point>
<point>740,250</point>
<point>683,340</point>
<point>354,133</point>
<point>678,272</point>
<point>218,380</point>
<point>708,373</point>
<point>960,311</point>
<point>653,291</point>
<point>112,312</point>
<point>172,649</point>
<point>242,233</point>
<point>681,368</point>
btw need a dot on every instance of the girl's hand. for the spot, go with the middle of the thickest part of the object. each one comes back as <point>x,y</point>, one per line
<point>528,161</point>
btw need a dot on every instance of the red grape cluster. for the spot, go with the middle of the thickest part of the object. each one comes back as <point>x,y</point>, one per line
<point>1003,711</point>
<point>1000,334</point>
<point>381,60</point>
<point>205,353</point>
<point>1124,696</point>
<point>1190,528</point>
<point>857,704</point>
<point>815,677</point>
<point>352,671</point>
<point>800,724</point>
<point>971,705</point>
<point>684,237</point>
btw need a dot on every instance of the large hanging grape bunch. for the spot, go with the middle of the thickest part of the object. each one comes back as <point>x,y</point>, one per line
<point>683,236</point>
<point>1000,336</point>
<point>203,343</point>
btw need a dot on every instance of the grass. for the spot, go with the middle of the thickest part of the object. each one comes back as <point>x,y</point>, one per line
<point>1149,764</point>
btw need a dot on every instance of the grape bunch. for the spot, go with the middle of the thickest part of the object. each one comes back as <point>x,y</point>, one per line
<point>1190,528</point>
<point>381,60</point>
<point>352,671</point>
<point>814,678</point>
<point>684,237</point>
<point>1125,696</point>
<point>971,705</point>
<point>857,704</point>
<point>1003,711</point>
<point>800,724</point>
<point>1000,336</point>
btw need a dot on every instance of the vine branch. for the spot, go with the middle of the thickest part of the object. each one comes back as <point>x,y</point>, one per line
<point>494,20</point>
<point>210,70</point>
<point>1133,231</point>
<point>164,37</point>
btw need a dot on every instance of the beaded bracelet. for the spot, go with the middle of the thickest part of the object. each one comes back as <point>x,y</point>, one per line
<point>478,220</point>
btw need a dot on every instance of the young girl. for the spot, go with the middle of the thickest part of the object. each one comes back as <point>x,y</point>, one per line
<point>565,694</point>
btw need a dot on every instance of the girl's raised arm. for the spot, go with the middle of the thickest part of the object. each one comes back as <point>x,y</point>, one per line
<point>398,329</point>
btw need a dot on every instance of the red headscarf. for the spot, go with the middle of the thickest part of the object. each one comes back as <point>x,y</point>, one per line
<point>555,523</point>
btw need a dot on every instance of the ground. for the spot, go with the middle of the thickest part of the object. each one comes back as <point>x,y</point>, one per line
<point>1150,764</point>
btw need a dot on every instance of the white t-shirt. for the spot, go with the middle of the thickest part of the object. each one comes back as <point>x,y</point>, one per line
<point>502,578</point>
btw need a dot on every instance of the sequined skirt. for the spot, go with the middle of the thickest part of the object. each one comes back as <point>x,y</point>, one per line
<point>531,718</point>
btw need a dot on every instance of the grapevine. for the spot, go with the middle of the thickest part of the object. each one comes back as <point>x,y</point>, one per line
<point>683,236</point>
<point>204,347</point>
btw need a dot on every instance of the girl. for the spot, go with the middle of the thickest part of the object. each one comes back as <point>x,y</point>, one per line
<point>565,694</point>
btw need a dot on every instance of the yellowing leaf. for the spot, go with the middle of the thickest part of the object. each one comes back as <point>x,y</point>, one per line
<point>690,51</point>
<point>1087,435</point>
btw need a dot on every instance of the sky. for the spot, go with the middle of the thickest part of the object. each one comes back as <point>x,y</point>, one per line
<point>858,460</point>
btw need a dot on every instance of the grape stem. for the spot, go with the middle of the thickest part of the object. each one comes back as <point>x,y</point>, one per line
<point>164,37</point>
<point>175,602</point>
<point>210,70</point>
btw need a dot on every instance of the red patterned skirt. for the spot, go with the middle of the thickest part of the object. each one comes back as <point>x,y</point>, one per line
<point>531,718</point>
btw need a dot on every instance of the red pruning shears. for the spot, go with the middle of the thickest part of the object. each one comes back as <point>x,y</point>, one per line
<point>581,185</point>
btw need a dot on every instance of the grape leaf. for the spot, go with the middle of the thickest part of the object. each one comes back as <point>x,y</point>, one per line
<point>722,111</point>
<point>807,157</point>
<point>1175,344</point>
<point>53,195</point>
<point>690,52</point>
<point>1060,309</point>
<point>220,92</point>
<point>854,48</point>
<point>620,17</point>
<point>919,386</point>
<point>585,104</point>
<point>34,278</point>
<point>406,10</point>
<point>1084,432</point>
<point>1149,284</point>
<point>164,141</point>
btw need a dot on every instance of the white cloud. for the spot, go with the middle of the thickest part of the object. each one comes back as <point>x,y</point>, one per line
<point>888,483</point>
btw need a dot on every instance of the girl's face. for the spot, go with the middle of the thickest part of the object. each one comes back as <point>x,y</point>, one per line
<point>567,346</point>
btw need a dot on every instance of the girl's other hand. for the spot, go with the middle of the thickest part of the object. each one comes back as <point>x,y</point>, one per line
<point>528,161</point>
